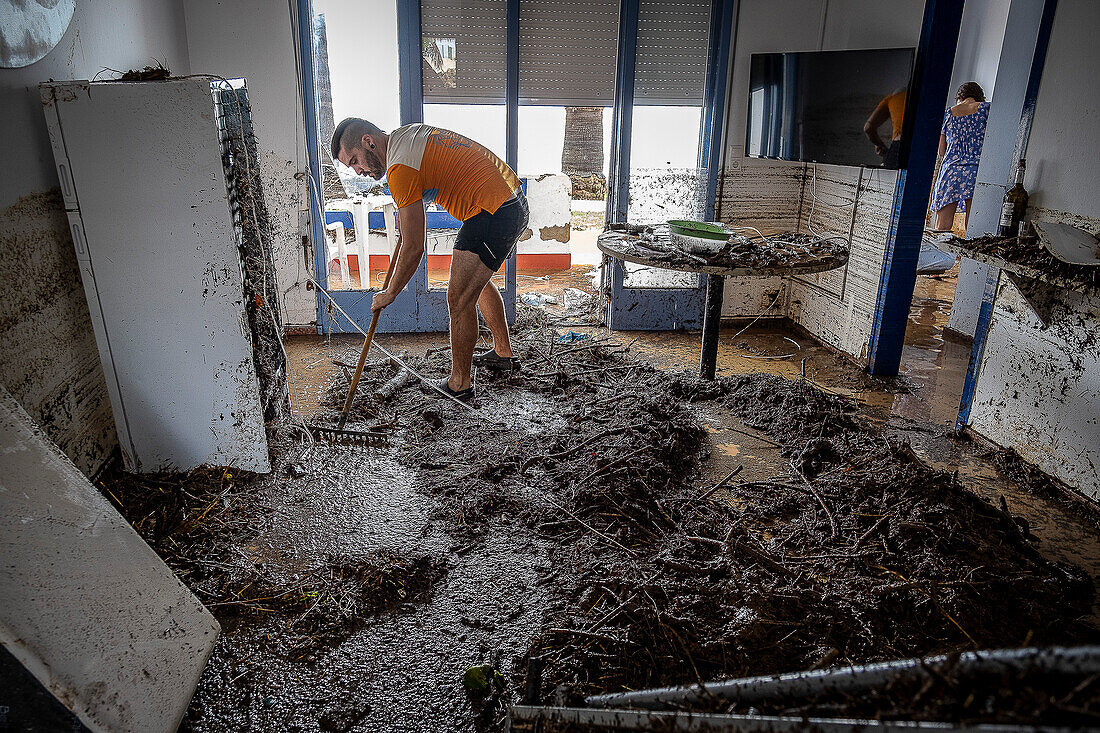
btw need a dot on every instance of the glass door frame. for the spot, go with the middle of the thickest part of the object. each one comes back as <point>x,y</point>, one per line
<point>418,308</point>
<point>665,308</point>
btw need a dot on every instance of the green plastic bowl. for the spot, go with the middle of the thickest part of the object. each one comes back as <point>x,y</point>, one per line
<point>698,229</point>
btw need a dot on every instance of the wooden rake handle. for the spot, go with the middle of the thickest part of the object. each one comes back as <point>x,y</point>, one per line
<point>367,341</point>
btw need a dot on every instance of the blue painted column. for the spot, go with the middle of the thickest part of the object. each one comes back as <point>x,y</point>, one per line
<point>511,141</point>
<point>511,88</point>
<point>928,93</point>
<point>618,193</point>
<point>409,69</point>
<point>714,106</point>
<point>714,100</point>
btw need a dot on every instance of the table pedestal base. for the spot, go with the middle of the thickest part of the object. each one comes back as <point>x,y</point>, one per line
<point>712,318</point>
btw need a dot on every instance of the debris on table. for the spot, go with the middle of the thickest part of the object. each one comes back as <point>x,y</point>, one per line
<point>779,252</point>
<point>1029,258</point>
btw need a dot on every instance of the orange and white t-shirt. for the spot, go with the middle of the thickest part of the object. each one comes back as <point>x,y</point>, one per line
<point>434,164</point>
<point>895,104</point>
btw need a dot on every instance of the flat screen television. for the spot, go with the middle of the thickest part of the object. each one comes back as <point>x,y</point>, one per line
<point>814,106</point>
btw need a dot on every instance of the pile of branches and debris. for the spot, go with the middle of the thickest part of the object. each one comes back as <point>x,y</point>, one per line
<point>859,552</point>
<point>1034,255</point>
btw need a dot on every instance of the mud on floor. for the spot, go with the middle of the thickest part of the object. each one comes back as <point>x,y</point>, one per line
<point>562,534</point>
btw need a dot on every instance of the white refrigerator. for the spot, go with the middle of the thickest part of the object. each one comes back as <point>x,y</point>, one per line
<point>144,182</point>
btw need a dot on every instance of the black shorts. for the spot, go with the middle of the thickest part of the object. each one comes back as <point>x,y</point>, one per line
<point>493,237</point>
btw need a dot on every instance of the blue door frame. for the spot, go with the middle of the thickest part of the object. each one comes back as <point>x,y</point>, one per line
<point>418,307</point>
<point>928,90</point>
<point>663,309</point>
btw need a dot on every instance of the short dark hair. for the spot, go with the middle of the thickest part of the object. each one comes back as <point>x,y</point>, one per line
<point>970,89</point>
<point>355,128</point>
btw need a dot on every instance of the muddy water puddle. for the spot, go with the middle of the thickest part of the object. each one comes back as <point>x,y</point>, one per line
<point>1063,532</point>
<point>352,502</point>
<point>402,671</point>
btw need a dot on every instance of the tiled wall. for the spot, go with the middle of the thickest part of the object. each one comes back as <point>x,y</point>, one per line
<point>838,306</point>
<point>758,193</point>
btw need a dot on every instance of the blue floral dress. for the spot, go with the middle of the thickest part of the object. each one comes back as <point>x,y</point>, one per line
<point>959,170</point>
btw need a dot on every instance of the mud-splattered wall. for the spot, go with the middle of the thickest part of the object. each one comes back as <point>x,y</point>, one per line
<point>48,355</point>
<point>1038,388</point>
<point>837,307</point>
<point>255,39</point>
<point>1039,385</point>
<point>763,194</point>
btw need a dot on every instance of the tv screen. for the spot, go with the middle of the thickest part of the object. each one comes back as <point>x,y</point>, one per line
<point>839,107</point>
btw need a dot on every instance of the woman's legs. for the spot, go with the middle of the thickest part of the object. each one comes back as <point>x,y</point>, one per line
<point>945,217</point>
<point>966,215</point>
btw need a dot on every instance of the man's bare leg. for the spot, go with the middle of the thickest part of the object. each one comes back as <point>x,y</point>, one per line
<point>492,308</point>
<point>468,278</point>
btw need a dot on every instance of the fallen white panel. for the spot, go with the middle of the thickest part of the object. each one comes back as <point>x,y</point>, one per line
<point>85,605</point>
<point>1068,243</point>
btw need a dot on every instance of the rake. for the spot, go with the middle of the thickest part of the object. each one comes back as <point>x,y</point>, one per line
<point>338,435</point>
<point>355,438</point>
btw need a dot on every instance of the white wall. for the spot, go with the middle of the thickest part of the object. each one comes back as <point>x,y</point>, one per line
<point>120,34</point>
<point>980,36</point>
<point>255,39</point>
<point>48,355</point>
<point>1065,136</point>
<point>1038,388</point>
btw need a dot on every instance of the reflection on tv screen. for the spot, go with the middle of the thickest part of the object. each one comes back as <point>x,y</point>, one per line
<point>839,107</point>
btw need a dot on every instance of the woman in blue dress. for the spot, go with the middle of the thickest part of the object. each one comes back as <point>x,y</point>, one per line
<point>960,147</point>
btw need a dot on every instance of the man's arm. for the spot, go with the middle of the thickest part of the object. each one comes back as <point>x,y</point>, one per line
<point>411,222</point>
<point>870,127</point>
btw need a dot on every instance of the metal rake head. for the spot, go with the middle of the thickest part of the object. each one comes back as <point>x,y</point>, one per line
<point>358,438</point>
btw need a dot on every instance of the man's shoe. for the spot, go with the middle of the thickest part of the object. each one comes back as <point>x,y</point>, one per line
<point>493,360</point>
<point>434,387</point>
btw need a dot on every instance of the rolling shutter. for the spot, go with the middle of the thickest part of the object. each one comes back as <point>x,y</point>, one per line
<point>478,30</point>
<point>567,51</point>
<point>673,42</point>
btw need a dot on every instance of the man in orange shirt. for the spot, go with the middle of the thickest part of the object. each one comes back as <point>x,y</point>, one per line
<point>892,107</point>
<point>422,163</point>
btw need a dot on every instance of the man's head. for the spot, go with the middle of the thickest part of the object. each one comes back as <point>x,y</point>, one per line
<point>361,146</point>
